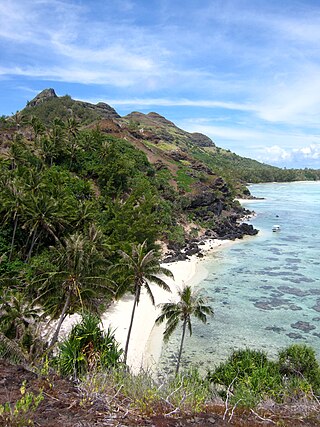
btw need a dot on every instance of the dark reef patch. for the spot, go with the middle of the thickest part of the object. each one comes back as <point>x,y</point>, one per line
<point>277,329</point>
<point>303,326</point>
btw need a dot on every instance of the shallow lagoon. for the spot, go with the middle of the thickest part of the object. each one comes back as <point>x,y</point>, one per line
<point>265,290</point>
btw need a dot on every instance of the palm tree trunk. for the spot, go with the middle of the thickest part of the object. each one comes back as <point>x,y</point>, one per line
<point>33,242</point>
<point>62,318</point>
<point>130,327</point>
<point>181,345</point>
<point>13,236</point>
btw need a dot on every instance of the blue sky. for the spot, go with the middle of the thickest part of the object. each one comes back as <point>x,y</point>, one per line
<point>244,72</point>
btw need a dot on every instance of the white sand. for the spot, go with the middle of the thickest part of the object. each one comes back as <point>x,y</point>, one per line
<point>146,338</point>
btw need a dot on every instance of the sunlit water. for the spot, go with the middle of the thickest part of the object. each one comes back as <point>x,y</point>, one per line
<point>265,290</point>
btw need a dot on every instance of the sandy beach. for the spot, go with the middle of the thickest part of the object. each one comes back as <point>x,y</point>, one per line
<point>146,338</point>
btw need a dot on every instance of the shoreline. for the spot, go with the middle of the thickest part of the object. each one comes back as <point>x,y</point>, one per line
<point>146,337</point>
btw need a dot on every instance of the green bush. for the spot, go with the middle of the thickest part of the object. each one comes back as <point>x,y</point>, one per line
<point>249,376</point>
<point>299,360</point>
<point>87,348</point>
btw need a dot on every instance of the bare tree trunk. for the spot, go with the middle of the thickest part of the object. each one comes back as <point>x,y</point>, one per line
<point>62,318</point>
<point>181,345</point>
<point>130,327</point>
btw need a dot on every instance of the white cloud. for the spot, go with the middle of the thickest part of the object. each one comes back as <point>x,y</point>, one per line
<point>167,102</point>
<point>305,156</point>
<point>275,154</point>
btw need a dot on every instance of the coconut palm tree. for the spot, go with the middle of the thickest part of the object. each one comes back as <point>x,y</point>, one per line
<point>190,304</point>
<point>141,269</point>
<point>80,278</point>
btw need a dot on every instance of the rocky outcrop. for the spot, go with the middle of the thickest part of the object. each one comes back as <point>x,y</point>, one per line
<point>101,109</point>
<point>42,97</point>
<point>223,231</point>
<point>201,140</point>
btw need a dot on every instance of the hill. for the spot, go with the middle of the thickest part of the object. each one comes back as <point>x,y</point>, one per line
<point>167,140</point>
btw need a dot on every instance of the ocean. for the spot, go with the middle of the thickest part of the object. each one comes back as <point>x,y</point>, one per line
<point>265,289</point>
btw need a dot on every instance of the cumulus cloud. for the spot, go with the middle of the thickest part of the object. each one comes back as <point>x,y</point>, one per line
<point>306,156</point>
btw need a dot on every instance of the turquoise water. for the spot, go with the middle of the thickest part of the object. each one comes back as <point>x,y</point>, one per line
<point>265,290</point>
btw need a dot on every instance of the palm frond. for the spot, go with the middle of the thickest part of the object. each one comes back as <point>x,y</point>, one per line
<point>10,350</point>
<point>170,328</point>
<point>149,292</point>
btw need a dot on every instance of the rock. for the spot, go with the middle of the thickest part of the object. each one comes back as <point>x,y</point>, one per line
<point>201,140</point>
<point>42,96</point>
<point>248,229</point>
<point>192,249</point>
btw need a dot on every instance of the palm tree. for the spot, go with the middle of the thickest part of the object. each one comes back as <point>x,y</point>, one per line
<point>12,204</point>
<point>20,338</point>
<point>80,278</point>
<point>141,269</point>
<point>189,304</point>
<point>46,215</point>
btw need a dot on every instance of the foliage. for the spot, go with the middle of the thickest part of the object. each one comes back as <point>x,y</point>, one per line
<point>80,278</point>
<point>20,338</point>
<point>21,413</point>
<point>248,376</point>
<point>87,348</point>
<point>300,361</point>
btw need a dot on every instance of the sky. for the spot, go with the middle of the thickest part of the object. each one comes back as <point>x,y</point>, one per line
<point>244,72</point>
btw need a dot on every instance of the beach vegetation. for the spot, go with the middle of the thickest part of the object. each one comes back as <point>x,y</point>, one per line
<point>190,303</point>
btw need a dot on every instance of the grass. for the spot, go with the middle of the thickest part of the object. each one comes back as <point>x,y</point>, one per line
<point>186,393</point>
<point>184,180</point>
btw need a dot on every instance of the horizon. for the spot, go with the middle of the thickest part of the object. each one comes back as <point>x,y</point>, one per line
<point>244,74</point>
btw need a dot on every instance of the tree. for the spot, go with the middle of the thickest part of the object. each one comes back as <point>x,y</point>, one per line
<point>141,268</point>
<point>20,338</point>
<point>12,204</point>
<point>189,304</point>
<point>80,278</point>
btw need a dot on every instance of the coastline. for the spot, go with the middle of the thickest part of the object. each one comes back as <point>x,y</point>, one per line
<point>146,337</point>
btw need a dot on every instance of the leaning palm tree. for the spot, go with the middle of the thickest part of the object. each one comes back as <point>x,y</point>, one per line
<point>189,304</point>
<point>141,268</point>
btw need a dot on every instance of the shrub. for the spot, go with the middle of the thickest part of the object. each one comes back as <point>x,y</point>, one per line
<point>87,348</point>
<point>249,376</point>
<point>299,360</point>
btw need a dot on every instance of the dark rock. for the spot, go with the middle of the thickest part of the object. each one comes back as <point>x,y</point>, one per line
<point>248,229</point>
<point>201,140</point>
<point>176,257</point>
